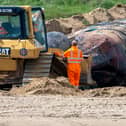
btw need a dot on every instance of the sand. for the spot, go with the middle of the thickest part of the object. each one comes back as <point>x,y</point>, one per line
<point>61,122</point>
<point>53,102</point>
<point>50,110</point>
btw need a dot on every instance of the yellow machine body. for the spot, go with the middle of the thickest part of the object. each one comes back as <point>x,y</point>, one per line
<point>17,46</point>
<point>22,38</point>
<point>9,63</point>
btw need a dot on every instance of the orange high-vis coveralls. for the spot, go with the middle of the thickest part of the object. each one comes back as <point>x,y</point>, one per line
<point>74,58</point>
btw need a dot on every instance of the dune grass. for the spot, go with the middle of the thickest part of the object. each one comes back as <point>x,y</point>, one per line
<point>65,8</point>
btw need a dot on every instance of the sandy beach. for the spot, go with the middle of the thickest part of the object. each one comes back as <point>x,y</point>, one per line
<point>57,110</point>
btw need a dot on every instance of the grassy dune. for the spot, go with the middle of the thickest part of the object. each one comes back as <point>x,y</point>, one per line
<point>65,8</point>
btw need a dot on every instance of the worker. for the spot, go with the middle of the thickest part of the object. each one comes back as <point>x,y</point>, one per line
<point>74,57</point>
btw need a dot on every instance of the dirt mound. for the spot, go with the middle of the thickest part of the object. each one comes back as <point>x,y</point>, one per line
<point>118,11</point>
<point>98,15</point>
<point>46,85</point>
<point>56,25</point>
<point>65,25</point>
<point>76,22</point>
<point>61,86</point>
<point>106,92</point>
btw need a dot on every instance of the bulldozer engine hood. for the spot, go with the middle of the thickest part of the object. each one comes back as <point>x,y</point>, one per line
<point>24,49</point>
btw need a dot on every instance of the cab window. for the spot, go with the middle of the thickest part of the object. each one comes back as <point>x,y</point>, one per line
<point>38,25</point>
<point>10,26</point>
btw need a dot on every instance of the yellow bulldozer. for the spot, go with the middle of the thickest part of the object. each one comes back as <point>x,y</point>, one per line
<point>24,51</point>
<point>23,44</point>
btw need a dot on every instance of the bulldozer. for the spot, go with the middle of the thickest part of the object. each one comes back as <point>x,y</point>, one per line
<point>23,45</point>
<point>24,53</point>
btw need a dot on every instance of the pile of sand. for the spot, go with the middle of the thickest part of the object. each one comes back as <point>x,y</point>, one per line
<point>98,15</point>
<point>65,25</point>
<point>106,92</point>
<point>45,85</point>
<point>61,86</point>
<point>76,22</point>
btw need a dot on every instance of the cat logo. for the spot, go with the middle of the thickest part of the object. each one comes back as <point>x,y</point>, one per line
<point>4,52</point>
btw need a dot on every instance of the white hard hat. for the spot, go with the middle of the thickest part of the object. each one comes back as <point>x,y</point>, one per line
<point>74,42</point>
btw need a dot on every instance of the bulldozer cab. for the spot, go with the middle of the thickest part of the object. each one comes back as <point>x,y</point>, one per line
<point>22,23</point>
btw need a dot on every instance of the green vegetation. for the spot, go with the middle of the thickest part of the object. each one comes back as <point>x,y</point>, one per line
<point>65,8</point>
